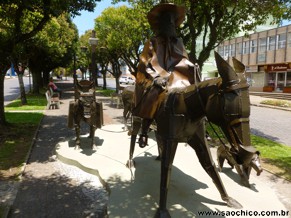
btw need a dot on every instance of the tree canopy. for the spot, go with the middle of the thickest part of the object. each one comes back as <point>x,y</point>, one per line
<point>210,22</point>
<point>122,31</point>
<point>20,20</point>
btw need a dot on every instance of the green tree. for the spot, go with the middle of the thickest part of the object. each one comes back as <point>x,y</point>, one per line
<point>121,32</point>
<point>19,21</point>
<point>210,22</point>
<point>51,48</point>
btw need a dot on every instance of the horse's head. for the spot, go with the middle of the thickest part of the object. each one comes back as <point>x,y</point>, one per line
<point>234,109</point>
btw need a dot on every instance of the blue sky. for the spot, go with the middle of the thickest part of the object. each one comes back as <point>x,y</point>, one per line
<point>86,20</point>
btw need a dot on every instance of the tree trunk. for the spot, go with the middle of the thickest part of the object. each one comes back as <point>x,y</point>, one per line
<point>2,113</point>
<point>103,72</point>
<point>22,88</point>
<point>36,81</point>
<point>46,75</point>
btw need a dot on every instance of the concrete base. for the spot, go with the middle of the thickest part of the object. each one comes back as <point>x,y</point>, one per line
<point>135,193</point>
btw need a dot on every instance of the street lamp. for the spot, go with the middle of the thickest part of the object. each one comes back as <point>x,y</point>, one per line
<point>93,41</point>
<point>84,50</point>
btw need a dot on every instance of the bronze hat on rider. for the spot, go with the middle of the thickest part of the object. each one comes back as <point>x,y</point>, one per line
<point>153,15</point>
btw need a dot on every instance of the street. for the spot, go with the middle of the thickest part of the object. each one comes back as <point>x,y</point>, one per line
<point>11,88</point>
<point>272,124</point>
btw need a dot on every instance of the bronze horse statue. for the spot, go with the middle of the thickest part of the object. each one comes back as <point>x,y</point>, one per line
<point>181,117</point>
<point>85,108</point>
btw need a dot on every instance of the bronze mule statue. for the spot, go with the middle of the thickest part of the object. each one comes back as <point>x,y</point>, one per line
<point>85,108</point>
<point>181,117</point>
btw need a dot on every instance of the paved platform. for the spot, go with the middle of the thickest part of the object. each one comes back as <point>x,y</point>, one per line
<point>135,193</point>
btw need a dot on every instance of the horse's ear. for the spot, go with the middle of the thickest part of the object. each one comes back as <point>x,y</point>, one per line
<point>228,75</point>
<point>239,67</point>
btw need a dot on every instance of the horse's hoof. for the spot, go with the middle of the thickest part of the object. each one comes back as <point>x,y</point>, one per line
<point>143,141</point>
<point>130,164</point>
<point>129,132</point>
<point>245,182</point>
<point>94,147</point>
<point>77,147</point>
<point>162,214</point>
<point>232,203</point>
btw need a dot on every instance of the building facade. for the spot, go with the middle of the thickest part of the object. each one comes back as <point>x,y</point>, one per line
<point>267,57</point>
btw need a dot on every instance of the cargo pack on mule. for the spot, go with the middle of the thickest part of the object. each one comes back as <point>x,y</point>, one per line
<point>85,108</point>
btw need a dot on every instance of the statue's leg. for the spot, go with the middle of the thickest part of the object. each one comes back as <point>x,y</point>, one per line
<point>220,157</point>
<point>169,151</point>
<point>126,115</point>
<point>136,123</point>
<point>92,135</point>
<point>199,144</point>
<point>143,138</point>
<point>77,130</point>
<point>93,123</point>
<point>77,121</point>
<point>159,142</point>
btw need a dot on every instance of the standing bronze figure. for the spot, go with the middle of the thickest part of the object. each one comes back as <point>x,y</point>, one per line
<point>168,92</point>
<point>85,108</point>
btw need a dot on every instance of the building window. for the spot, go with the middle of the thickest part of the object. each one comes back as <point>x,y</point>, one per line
<point>253,46</point>
<point>263,45</point>
<point>220,51</point>
<point>271,77</point>
<point>261,58</point>
<point>281,41</point>
<point>289,39</point>
<point>232,50</point>
<point>239,48</point>
<point>246,47</point>
<point>226,51</point>
<point>288,81</point>
<point>271,43</point>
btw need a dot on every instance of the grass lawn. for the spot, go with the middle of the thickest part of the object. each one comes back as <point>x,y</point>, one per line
<point>105,92</point>
<point>278,103</point>
<point>34,102</point>
<point>275,157</point>
<point>15,142</point>
<point>16,138</point>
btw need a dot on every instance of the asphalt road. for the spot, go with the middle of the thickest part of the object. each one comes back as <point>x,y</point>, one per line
<point>11,88</point>
<point>271,123</point>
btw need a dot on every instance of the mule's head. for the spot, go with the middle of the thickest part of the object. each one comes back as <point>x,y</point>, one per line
<point>233,111</point>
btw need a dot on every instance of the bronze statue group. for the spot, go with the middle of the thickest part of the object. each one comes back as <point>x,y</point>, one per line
<point>169,93</point>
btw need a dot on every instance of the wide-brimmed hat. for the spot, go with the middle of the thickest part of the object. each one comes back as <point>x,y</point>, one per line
<point>153,15</point>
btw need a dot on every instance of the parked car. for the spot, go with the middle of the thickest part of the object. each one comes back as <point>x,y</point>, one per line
<point>126,80</point>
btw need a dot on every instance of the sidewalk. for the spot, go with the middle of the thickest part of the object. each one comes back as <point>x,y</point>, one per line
<point>50,188</point>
